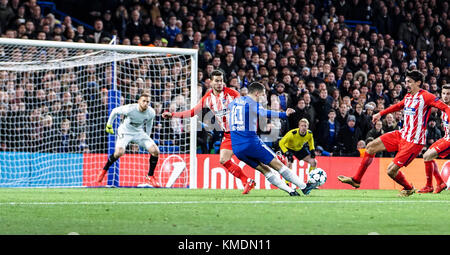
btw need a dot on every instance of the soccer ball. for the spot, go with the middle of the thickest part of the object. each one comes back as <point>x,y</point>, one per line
<point>317,177</point>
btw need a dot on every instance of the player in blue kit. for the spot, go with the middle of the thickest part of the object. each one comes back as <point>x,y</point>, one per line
<point>244,114</point>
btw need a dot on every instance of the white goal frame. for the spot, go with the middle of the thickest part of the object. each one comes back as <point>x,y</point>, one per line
<point>193,53</point>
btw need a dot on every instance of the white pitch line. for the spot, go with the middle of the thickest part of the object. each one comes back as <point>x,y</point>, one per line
<point>224,202</point>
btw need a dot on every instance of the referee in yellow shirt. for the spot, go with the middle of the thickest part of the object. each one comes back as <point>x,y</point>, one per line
<point>299,142</point>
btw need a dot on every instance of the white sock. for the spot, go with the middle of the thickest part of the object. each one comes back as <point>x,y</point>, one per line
<point>291,177</point>
<point>276,181</point>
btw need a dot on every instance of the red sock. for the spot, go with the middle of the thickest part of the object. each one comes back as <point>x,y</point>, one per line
<point>400,179</point>
<point>235,170</point>
<point>365,163</point>
<point>436,174</point>
<point>429,169</point>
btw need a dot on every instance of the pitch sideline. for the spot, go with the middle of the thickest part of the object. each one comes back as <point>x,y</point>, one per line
<point>222,202</point>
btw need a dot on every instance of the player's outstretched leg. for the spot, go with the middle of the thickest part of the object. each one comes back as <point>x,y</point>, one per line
<point>372,149</point>
<point>440,182</point>
<point>431,169</point>
<point>249,185</point>
<point>153,161</point>
<point>275,180</point>
<point>429,175</point>
<point>112,158</point>
<point>235,170</point>
<point>290,176</point>
<point>101,175</point>
<point>399,177</point>
<point>356,179</point>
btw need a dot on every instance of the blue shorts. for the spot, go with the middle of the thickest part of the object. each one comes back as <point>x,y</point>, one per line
<point>254,153</point>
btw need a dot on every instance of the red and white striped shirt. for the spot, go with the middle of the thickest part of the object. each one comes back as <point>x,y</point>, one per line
<point>416,111</point>
<point>218,104</point>
<point>445,121</point>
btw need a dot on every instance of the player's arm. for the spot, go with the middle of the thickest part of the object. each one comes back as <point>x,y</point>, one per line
<point>312,148</point>
<point>232,92</point>
<point>311,141</point>
<point>188,113</point>
<point>121,110</point>
<point>393,108</point>
<point>440,105</point>
<point>274,114</point>
<point>283,142</point>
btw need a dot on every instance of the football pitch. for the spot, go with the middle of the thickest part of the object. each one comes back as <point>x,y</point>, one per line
<point>146,211</point>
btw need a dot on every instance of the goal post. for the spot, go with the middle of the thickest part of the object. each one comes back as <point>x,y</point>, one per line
<point>55,98</point>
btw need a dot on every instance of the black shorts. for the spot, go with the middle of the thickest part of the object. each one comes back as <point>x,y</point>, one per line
<point>301,154</point>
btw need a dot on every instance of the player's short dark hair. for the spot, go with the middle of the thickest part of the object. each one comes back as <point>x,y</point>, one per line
<point>217,73</point>
<point>446,86</point>
<point>416,76</point>
<point>255,86</point>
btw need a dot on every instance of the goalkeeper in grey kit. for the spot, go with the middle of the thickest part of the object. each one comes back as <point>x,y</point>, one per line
<point>131,129</point>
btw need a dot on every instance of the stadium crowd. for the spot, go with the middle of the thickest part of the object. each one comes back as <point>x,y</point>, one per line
<point>309,54</point>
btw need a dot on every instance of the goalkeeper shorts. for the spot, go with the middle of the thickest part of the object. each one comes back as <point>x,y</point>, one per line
<point>141,139</point>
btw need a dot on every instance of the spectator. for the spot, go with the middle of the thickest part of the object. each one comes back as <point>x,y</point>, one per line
<point>120,18</point>
<point>172,30</point>
<point>192,38</point>
<point>425,42</point>
<point>48,141</point>
<point>363,121</point>
<point>108,23</point>
<point>383,21</point>
<point>348,137</point>
<point>433,132</point>
<point>99,34</point>
<point>376,131</point>
<point>282,96</point>
<point>211,42</point>
<point>244,91</point>
<point>342,114</point>
<point>135,27</point>
<point>66,139</point>
<point>6,15</point>
<point>82,144</point>
<point>389,123</point>
<point>328,130</point>
<point>361,146</point>
<point>311,109</point>
<point>378,94</point>
<point>407,31</point>
<point>229,66</point>
<point>237,50</point>
<point>301,46</point>
<point>274,127</point>
<point>300,113</point>
<point>321,107</point>
<point>342,8</point>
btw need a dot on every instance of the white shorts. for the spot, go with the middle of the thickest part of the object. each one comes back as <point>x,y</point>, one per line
<point>140,138</point>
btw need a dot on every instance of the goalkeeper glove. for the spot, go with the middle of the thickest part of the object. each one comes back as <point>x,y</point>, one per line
<point>289,155</point>
<point>313,154</point>
<point>109,129</point>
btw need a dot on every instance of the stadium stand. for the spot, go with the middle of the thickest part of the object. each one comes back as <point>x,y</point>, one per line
<point>339,54</point>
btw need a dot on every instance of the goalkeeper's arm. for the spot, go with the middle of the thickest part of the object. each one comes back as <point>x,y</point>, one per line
<point>114,113</point>
<point>149,126</point>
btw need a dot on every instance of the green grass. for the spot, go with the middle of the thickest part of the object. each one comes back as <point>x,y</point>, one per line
<point>128,211</point>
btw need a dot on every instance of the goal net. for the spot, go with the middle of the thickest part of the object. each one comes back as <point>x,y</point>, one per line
<point>55,99</point>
